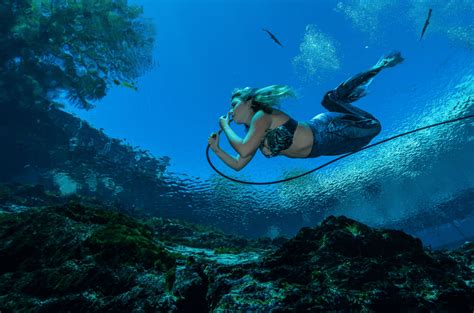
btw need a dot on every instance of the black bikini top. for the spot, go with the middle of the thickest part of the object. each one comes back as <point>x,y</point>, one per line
<point>279,138</point>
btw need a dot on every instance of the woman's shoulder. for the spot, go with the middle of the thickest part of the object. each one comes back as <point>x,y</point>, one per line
<point>276,113</point>
<point>279,116</point>
<point>271,120</point>
<point>262,115</point>
<point>262,118</point>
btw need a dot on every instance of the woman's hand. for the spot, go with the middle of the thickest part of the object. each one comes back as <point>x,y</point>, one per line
<point>224,120</point>
<point>213,141</point>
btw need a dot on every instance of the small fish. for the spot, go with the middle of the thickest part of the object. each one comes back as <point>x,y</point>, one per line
<point>125,84</point>
<point>427,22</point>
<point>273,37</point>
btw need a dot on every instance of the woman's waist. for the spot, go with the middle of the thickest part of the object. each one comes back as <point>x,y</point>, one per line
<point>302,141</point>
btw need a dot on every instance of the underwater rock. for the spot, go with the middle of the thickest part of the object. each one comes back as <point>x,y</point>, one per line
<point>190,287</point>
<point>344,265</point>
<point>99,166</point>
<point>73,256</point>
<point>14,196</point>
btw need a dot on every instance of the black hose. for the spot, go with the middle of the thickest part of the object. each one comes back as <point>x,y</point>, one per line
<point>332,161</point>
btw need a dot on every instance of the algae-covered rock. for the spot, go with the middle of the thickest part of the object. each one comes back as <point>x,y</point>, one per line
<point>73,257</point>
<point>345,265</point>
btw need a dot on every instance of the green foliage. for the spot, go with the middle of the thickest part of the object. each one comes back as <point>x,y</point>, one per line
<point>354,230</point>
<point>72,49</point>
<point>124,244</point>
<point>91,215</point>
<point>170,277</point>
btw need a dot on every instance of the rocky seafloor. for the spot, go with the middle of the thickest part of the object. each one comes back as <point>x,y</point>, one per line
<point>71,254</point>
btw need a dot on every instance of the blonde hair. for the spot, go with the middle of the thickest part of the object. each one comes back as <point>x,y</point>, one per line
<point>264,98</point>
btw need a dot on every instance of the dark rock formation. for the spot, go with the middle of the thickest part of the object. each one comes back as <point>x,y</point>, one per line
<point>65,154</point>
<point>74,255</point>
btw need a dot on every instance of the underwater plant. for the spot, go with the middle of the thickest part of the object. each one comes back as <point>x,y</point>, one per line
<point>71,50</point>
<point>354,230</point>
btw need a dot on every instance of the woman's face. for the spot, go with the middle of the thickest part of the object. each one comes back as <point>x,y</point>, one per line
<point>239,110</point>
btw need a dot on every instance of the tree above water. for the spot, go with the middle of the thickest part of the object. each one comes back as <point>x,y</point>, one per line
<point>71,49</point>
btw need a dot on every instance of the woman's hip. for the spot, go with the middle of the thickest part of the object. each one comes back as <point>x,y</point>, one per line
<point>338,133</point>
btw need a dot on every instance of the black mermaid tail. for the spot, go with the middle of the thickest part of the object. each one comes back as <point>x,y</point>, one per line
<point>347,128</point>
<point>339,99</point>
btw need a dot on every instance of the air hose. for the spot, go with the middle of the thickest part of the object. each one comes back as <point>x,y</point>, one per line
<point>332,161</point>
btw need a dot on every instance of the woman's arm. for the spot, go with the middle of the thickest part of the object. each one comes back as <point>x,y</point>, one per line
<point>237,163</point>
<point>246,147</point>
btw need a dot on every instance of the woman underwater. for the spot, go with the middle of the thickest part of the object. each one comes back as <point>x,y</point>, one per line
<point>345,128</point>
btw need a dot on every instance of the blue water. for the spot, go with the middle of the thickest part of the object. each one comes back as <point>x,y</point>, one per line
<point>204,49</point>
